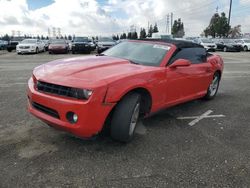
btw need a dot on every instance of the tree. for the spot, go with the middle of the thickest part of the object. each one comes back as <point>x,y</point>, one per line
<point>47,38</point>
<point>155,29</point>
<point>69,37</point>
<point>143,33</point>
<point>218,26</point>
<point>115,37</point>
<point>235,32</point>
<point>178,29</point>
<point>134,35</point>
<point>42,37</point>
<point>150,31</point>
<point>6,37</point>
<point>123,36</point>
<point>129,35</point>
<point>65,37</point>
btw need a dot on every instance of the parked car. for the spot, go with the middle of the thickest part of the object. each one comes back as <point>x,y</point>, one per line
<point>92,44</point>
<point>227,45</point>
<point>3,44</point>
<point>161,36</point>
<point>208,44</point>
<point>46,44</point>
<point>58,46</point>
<point>30,46</point>
<point>70,44</point>
<point>104,43</point>
<point>123,84</point>
<point>81,45</point>
<point>13,43</point>
<point>244,43</point>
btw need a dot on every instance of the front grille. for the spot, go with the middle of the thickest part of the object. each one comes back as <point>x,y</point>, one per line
<point>59,90</point>
<point>24,47</point>
<point>46,110</point>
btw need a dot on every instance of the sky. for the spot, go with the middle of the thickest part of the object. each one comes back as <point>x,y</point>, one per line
<point>107,17</point>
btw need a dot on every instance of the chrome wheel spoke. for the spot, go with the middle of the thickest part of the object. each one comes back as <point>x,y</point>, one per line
<point>134,118</point>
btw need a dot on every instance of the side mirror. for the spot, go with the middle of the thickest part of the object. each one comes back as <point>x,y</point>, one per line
<point>180,63</point>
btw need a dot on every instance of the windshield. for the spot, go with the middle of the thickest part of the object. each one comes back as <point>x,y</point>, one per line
<point>106,39</point>
<point>29,41</point>
<point>139,52</point>
<point>206,41</point>
<point>57,42</point>
<point>81,39</point>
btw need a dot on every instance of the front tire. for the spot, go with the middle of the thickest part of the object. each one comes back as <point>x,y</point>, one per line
<point>225,49</point>
<point>213,87</point>
<point>245,48</point>
<point>125,118</point>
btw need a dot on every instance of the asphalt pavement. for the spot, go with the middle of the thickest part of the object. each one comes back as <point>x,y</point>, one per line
<point>168,150</point>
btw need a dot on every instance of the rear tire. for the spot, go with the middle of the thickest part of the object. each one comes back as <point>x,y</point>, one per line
<point>125,118</point>
<point>213,87</point>
<point>37,50</point>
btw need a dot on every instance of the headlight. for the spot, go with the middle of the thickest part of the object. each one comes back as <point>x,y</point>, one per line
<point>81,93</point>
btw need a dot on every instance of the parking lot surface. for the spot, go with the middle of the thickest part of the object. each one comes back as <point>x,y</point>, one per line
<point>168,150</point>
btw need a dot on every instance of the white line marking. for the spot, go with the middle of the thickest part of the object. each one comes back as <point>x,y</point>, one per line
<point>12,84</point>
<point>203,116</point>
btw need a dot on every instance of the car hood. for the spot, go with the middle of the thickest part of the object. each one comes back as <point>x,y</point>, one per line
<point>106,43</point>
<point>208,44</point>
<point>26,44</point>
<point>80,42</point>
<point>89,72</point>
<point>57,45</point>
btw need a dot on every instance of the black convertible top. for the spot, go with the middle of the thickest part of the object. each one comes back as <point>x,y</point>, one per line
<point>178,43</point>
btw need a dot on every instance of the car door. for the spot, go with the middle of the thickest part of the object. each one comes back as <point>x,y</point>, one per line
<point>184,83</point>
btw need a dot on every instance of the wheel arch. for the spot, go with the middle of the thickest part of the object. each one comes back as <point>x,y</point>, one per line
<point>146,105</point>
<point>219,72</point>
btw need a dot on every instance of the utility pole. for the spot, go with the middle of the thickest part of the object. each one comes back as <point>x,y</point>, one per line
<point>230,9</point>
<point>171,21</point>
<point>167,24</point>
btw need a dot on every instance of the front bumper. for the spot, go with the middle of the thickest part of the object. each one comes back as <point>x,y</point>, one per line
<point>58,50</point>
<point>30,50</point>
<point>81,48</point>
<point>91,114</point>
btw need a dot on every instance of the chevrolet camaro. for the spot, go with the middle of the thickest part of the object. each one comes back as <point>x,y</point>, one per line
<point>113,90</point>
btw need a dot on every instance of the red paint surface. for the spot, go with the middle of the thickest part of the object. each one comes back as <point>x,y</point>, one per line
<point>110,79</point>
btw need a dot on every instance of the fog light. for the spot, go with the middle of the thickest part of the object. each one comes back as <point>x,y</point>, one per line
<point>75,118</point>
<point>72,117</point>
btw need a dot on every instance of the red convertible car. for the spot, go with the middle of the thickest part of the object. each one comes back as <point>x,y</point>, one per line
<point>129,81</point>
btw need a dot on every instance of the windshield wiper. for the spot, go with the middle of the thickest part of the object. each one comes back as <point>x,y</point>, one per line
<point>134,62</point>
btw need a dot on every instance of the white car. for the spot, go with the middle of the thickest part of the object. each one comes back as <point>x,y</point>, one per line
<point>245,43</point>
<point>208,44</point>
<point>161,36</point>
<point>30,46</point>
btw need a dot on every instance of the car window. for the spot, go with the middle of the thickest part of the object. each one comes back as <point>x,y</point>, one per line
<point>195,55</point>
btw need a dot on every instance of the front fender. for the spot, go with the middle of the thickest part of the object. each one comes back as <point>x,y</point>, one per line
<point>120,88</point>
